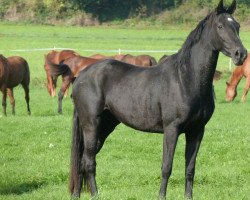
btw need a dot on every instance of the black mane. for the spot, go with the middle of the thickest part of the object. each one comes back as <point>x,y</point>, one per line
<point>193,38</point>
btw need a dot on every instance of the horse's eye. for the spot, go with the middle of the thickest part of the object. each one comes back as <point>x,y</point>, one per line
<point>220,26</point>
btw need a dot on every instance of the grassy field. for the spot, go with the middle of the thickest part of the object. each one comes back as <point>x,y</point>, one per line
<point>35,150</point>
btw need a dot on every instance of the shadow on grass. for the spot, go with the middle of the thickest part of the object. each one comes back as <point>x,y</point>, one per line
<point>20,188</point>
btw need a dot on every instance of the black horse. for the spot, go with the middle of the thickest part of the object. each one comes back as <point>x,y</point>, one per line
<point>172,98</point>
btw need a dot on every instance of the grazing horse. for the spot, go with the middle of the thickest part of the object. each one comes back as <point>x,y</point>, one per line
<point>171,98</point>
<point>239,72</point>
<point>69,69</point>
<point>55,57</point>
<point>102,57</point>
<point>141,60</point>
<point>14,71</point>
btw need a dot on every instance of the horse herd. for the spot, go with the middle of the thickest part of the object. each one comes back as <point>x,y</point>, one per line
<point>172,97</point>
<point>68,64</point>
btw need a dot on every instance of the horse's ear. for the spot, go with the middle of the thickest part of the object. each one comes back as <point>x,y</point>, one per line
<point>232,8</point>
<point>220,8</point>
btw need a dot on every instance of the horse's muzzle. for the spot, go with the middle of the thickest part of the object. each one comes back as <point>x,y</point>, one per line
<point>239,56</point>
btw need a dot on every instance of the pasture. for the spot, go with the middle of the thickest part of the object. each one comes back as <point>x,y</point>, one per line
<point>35,150</point>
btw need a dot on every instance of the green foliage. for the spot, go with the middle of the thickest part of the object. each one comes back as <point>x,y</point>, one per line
<point>49,11</point>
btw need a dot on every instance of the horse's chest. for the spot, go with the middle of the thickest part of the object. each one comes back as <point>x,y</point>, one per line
<point>198,114</point>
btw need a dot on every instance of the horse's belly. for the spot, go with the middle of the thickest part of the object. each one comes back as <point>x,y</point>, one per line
<point>138,117</point>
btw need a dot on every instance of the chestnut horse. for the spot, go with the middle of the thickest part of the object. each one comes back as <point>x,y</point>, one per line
<point>55,57</point>
<point>101,57</point>
<point>69,69</point>
<point>238,73</point>
<point>14,71</point>
<point>140,60</point>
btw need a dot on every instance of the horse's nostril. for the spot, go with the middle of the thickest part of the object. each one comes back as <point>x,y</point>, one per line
<point>237,53</point>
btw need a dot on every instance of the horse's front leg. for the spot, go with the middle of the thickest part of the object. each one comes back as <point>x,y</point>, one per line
<point>53,86</point>
<point>193,140</point>
<point>169,143</point>
<point>247,85</point>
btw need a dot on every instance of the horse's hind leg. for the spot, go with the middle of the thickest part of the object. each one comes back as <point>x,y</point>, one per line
<point>27,97</point>
<point>94,138</point>
<point>4,91</point>
<point>89,155</point>
<point>247,85</point>
<point>12,99</point>
<point>107,125</point>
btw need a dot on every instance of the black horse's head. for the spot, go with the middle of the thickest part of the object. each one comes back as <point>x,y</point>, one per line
<point>225,30</point>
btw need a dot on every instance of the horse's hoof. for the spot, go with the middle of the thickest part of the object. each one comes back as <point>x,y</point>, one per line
<point>95,196</point>
<point>75,196</point>
<point>243,100</point>
<point>162,197</point>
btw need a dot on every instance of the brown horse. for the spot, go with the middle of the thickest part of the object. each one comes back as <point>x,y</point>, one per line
<point>141,60</point>
<point>55,57</point>
<point>69,69</point>
<point>14,71</point>
<point>101,57</point>
<point>238,73</point>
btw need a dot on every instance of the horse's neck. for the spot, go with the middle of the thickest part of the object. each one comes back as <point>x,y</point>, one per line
<point>236,76</point>
<point>200,67</point>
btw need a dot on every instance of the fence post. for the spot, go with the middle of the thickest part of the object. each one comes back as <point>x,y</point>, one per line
<point>230,64</point>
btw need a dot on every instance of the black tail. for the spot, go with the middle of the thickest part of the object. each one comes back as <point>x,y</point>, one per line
<point>76,174</point>
<point>58,69</point>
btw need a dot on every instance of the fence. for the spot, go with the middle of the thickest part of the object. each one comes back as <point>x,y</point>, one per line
<point>118,51</point>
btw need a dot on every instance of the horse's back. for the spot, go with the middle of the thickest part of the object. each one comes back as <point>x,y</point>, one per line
<point>19,71</point>
<point>78,63</point>
<point>65,54</point>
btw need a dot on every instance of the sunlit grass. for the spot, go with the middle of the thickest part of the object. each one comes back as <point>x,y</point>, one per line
<point>35,150</point>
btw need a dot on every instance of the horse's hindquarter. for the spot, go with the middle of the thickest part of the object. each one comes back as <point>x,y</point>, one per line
<point>17,69</point>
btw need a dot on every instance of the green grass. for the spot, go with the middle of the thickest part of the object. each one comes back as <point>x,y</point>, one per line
<point>35,150</point>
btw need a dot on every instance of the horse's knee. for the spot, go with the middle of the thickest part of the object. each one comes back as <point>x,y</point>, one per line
<point>166,171</point>
<point>60,96</point>
<point>190,174</point>
<point>89,167</point>
<point>4,104</point>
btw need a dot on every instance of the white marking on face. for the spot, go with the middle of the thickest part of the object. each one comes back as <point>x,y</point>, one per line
<point>229,19</point>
